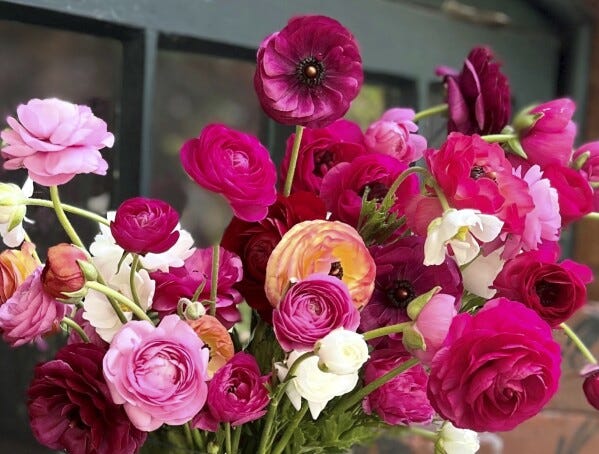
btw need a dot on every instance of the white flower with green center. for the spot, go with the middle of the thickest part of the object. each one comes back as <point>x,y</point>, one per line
<point>13,210</point>
<point>456,441</point>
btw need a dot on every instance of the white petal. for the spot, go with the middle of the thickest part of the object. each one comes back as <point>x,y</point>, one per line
<point>479,275</point>
<point>465,251</point>
<point>487,228</point>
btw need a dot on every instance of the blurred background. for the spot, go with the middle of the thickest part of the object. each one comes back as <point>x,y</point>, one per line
<point>158,71</point>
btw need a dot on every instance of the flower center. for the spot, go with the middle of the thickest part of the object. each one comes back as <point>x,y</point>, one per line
<point>376,191</point>
<point>310,72</point>
<point>478,172</point>
<point>547,292</point>
<point>336,270</point>
<point>323,161</point>
<point>401,293</point>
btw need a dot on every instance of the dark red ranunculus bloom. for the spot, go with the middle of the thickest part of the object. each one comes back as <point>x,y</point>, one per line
<point>62,272</point>
<point>308,72</point>
<point>590,386</point>
<point>70,407</point>
<point>143,225</point>
<point>254,241</point>
<point>479,96</point>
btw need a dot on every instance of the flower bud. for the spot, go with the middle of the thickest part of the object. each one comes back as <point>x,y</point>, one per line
<point>192,310</point>
<point>341,352</point>
<point>456,441</point>
<point>591,385</point>
<point>66,269</point>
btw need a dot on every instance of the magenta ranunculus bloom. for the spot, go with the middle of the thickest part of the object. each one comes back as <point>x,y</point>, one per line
<point>236,394</point>
<point>344,185</point>
<point>590,385</point>
<point>308,72</point>
<point>554,290</point>
<point>400,277</point>
<point>320,150</point>
<point>30,312</point>
<point>55,140</point>
<point>70,407</point>
<point>496,369</point>
<point>590,169</point>
<point>402,400</point>
<point>182,282</point>
<point>551,138</point>
<point>311,309</point>
<point>157,373</point>
<point>235,165</point>
<point>143,225</point>
<point>395,134</point>
<point>575,195</point>
<point>479,97</point>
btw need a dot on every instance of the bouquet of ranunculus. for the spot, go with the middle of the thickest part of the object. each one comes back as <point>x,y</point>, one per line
<point>383,293</point>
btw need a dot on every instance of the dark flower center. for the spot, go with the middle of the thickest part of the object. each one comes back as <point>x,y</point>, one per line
<point>336,270</point>
<point>323,161</point>
<point>401,293</point>
<point>376,191</point>
<point>310,72</point>
<point>547,292</point>
<point>478,172</point>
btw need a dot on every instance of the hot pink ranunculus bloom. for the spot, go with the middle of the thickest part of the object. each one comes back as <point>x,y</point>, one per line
<point>590,169</point>
<point>308,72</point>
<point>55,140</point>
<point>158,373</point>
<point>496,369</point>
<point>235,165</point>
<point>575,195</point>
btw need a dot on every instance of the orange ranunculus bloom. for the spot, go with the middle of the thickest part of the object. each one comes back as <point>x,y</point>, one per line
<point>325,247</point>
<point>15,266</point>
<point>217,338</point>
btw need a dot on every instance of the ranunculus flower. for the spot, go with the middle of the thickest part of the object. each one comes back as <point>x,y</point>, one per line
<point>496,369</point>
<point>590,169</point>
<point>30,312</point>
<point>235,165</point>
<point>70,407</point>
<point>574,193</point>
<point>61,272</point>
<point>214,334</point>
<point>324,247</point>
<point>55,140</point>
<point>143,225</point>
<point>590,386</point>
<point>402,400</point>
<point>456,441</point>
<point>551,138</point>
<point>420,212</point>
<point>395,134</point>
<point>157,373</point>
<point>15,266</point>
<point>182,282</point>
<point>554,290</point>
<point>320,150</point>
<point>344,185</point>
<point>479,97</point>
<point>400,277</point>
<point>312,384</point>
<point>341,352</point>
<point>236,394</point>
<point>253,242</point>
<point>13,210</point>
<point>311,309</point>
<point>308,72</point>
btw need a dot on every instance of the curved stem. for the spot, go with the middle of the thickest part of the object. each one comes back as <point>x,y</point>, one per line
<point>296,363</point>
<point>291,428</point>
<point>498,138</point>
<point>299,131</point>
<point>214,277</point>
<point>579,343</point>
<point>62,218</point>
<point>75,326</point>
<point>428,434</point>
<point>385,330</point>
<point>115,306</point>
<point>400,179</point>
<point>69,209</point>
<point>441,108</point>
<point>122,299</point>
<point>134,265</point>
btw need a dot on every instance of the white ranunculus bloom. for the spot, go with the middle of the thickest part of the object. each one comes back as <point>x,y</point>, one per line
<point>314,385</point>
<point>479,274</point>
<point>459,229</point>
<point>341,352</point>
<point>13,210</point>
<point>456,441</point>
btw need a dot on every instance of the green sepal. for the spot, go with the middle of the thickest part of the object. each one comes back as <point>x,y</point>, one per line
<point>581,160</point>
<point>16,218</point>
<point>418,303</point>
<point>525,119</point>
<point>121,260</point>
<point>595,184</point>
<point>514,146</point>
<point>413,340</point>
<point>90,273</point>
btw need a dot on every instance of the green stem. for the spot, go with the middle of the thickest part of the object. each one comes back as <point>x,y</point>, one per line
<point>187,431</point>
<point>441,108</point>
<point>299,131</point>
<point>499,138</point>
<point>386,330</point>
<point>69,209</point>
<point>139,313</point>
<point>400,179</point>
<point>134,265</point>
<point>579,343</point>
<point>228,438</point>
<point>291,428</point>
<point>198,439</point>
<point>442,199</point>
<point>296,363</point>
<point>115,306</point>
<point>75,326</point>
<point>214,277</point>
<point>62,218</point>
<point>355,398</point>
<point>236,438</point>
<point>428,434</point>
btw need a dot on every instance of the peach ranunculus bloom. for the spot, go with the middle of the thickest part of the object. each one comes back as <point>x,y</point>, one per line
<point>325,247</point>
<point>15,266</point>
<point>217,338</point>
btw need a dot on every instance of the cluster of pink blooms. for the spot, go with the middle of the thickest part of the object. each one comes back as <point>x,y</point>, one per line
<point>448,315</point>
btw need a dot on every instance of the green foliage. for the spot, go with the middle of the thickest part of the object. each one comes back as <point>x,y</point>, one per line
<point>265,347</point>
<point>376,223</point>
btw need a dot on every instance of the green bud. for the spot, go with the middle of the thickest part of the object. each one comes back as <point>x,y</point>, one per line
<point>418,303</point>
<point>413,340</point>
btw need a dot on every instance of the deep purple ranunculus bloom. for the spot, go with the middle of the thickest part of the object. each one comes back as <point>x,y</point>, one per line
<point>308,72</point>
<point>143,225</point>
<point>237,394</point>
<point>400,277</point>
<point>479,96</point>
<point>70,407</point>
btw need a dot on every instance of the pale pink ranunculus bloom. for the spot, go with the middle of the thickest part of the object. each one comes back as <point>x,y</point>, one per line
<point>157,372</point>
<point>55,140</point>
